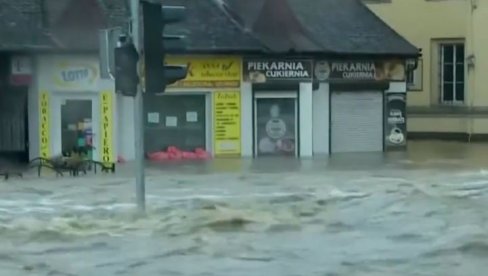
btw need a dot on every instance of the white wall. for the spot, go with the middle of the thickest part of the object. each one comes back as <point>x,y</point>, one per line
<point>321,120</point>
<point>306,119</point>
<point>125,120</point>
<point>33,114</point>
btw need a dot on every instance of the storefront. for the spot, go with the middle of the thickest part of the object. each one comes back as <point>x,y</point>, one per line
<point>366,103</point>
<point>75,109</point>
<point>277,107</point>
<point>199,112</point>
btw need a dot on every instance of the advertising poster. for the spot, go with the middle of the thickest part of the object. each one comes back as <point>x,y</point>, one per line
<point>276,127</point>
<point>106,141</point>
<point>227,123</point>
<point>396,126</point>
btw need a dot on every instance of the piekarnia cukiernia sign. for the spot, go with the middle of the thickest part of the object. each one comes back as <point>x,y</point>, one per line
<point>262,71</point>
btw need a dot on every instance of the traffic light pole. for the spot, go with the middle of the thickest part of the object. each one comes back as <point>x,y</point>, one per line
<point>138,117</point>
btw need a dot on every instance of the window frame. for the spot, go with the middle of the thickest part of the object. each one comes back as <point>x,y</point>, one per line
<point>441,67</point>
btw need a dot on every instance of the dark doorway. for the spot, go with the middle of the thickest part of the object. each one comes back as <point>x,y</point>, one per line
<point>14,127</point>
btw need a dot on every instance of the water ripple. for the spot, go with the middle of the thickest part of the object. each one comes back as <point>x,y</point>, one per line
<point>350,222</point>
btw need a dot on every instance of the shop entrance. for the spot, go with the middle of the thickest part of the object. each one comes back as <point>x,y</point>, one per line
<point>356,121</point>
<point>77,124</point>
<point>275,124</point>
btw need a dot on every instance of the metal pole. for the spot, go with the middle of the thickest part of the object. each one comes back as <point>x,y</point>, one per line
<point>138,118</point>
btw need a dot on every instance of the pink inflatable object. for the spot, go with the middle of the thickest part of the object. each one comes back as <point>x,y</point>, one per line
<point>174,153</point>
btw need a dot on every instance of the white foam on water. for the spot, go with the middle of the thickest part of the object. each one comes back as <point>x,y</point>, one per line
<point>336,193</point>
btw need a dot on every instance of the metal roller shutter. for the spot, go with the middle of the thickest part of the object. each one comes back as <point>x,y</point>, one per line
<point>356,121</point>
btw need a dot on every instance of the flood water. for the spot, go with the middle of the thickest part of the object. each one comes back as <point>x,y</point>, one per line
<point>422,212</point>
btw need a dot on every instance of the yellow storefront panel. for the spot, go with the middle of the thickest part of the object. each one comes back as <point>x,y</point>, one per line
<point>106,127</point>
<point>227,123</point>
<point>44,129</point>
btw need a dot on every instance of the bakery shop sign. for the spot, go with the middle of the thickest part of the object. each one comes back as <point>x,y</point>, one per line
<point>262,71</point>
<point>393,70</point>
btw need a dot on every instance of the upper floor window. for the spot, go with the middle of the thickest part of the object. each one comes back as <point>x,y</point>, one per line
<point>452,85</point>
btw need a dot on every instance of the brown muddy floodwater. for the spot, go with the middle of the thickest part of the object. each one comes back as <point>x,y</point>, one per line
<point>423,212</point>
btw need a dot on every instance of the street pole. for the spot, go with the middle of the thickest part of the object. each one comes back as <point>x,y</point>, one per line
<point>138,117</point>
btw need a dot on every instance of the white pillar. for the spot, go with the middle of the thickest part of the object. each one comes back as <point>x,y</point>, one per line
<point>306,119</point>
<point>33,113</point>
<point>246,120</point>
<point>321,120</point>
<point>125,127</point>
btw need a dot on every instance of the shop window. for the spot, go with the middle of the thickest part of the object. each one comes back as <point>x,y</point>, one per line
<point>175,120</point>
<point>276,129</point>
<point>452,73</point>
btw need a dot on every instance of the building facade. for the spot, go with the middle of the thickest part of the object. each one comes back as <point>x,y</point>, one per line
<point>446,97</point>
<point>202,111</point>
<point>229,106</point>
<point>250,92</point>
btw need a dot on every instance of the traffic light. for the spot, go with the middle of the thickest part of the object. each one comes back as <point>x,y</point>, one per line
<point>126,59</point>
<point>157,45</point>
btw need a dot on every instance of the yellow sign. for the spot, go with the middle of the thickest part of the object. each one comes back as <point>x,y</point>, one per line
<point>106,127</point>
<point>78,76</point>
<point>209,72</point>
<point>227,123</point>
<point>44,124</point>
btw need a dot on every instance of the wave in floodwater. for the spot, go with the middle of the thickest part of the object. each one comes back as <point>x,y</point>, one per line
<point>185,215</point>
<point>361,223</point>
<point>175,216</point>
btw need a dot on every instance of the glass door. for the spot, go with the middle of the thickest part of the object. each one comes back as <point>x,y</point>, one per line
<point>77,127</point>
<point>276,127</point>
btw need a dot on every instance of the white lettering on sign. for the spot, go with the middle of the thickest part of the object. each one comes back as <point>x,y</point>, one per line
<point>274,66</point>
<point>353,67</point>
<point>280,69</point>
<point>358,75</point>
<point>355,70</point>
<point>287,74</point>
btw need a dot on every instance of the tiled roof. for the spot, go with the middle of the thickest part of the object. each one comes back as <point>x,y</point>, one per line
<point>348,26</point>
<point>328,26</point>
<point>304,26</point>
<point>20,28</point>
<point>209,28</point>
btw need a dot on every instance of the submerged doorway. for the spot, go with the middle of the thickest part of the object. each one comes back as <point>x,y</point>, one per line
<point>77,124</point>
<point>14,129</point>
